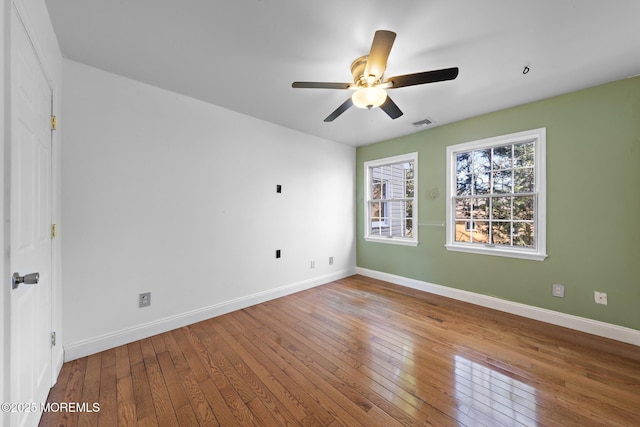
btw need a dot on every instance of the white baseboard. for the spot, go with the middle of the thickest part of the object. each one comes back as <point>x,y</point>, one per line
<point>582,324</point>
<point>114,339</point>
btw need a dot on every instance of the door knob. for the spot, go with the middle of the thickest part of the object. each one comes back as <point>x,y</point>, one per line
<point>27,279</point>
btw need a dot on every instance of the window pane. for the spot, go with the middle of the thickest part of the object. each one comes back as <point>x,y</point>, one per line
<point>377,224</point>
<point>463,234</point>
<point>408,209</point>
<point>502,182</point>
<point>501,233</point>
<point>524,154</point>
<point>385,173</point>
<point>463,185</point>
<point>409,189</point>
<point>409,228</point>
<point>482,183</point>
<point>396,229</point>
<point>375,229</point>
<point>480,233</point>
<point>523,180</point>
<point>502,157</point>
<point>377,211</point>
<point>408,170</point>
<point>523,208</point>
<point>501,208</point>
<point>463,163</point>
<point>376,189</point>
<point>523,234</point>
<point>396,216</point>
<point>481,160</point>
<point>394,189</point>
<point>463,208</point>
<point>480,208</point>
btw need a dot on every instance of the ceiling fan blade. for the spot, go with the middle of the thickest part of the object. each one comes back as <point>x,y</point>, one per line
<point>424,77</point>
<point>391,108</point>
<point>320,85</point>
<point>341,109</point>
<point>379,53</point>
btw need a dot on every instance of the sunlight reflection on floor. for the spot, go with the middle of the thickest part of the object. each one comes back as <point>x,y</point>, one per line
<point>490,396</point>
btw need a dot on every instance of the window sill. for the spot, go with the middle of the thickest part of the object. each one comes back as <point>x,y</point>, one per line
<point>497,251</point>
<point>392,240</point>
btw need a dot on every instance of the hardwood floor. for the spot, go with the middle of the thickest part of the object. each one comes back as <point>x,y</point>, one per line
<point>357,352</point>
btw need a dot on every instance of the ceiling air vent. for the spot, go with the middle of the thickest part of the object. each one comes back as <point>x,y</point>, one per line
<point>422,123</point>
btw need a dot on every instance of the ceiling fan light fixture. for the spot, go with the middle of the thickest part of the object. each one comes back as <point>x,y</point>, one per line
<point>369,97</point>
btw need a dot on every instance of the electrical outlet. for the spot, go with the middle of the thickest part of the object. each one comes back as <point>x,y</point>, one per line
<point>330,260</point>
<point>313,264</point>
<point>144,300</point>
<point>278,254</point>
<point>600,297</point>
<point>557,290</point>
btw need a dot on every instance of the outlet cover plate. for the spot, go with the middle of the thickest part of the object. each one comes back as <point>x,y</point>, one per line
<point>558,290</point>
<point>600,297</point>
<point>144,300</point>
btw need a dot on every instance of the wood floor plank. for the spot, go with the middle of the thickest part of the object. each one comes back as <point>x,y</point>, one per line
<point>71,379</point>
<point>198,400</point>
<point>358,352</point>
<point>108,415</point>
<point>402,394</point>
<point>267,389</point>
<point>172,381</point>
<point>91,390</point>
<point>349,382</point>
<point>123,365</point>
<point>135,353</point>
<point>127,415</point>
<point>224,415</point>
<point>164,410</point>
<point>142,392</point>
<point>290,394</point>
<point>302,370</point>
<point>233,400</point>
<point>192,358</point>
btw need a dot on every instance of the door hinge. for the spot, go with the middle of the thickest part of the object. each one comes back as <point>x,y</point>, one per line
<point>54,231</point>
<point>53,339</point>
<point>54,122</point>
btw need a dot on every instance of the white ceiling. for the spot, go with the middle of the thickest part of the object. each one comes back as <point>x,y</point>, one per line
<point>244,54</point>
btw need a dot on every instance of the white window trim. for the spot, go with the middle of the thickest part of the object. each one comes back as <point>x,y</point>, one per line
<point>540,252</point>
<point>406,241</point>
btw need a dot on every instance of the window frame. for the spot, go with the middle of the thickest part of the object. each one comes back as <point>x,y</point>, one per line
<point>368,167</point>
<point>539,253</point>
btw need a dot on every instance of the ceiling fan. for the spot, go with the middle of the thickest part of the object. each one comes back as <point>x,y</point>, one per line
<point>369,84</point>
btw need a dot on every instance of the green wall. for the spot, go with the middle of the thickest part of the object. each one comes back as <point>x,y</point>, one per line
<point>593,207</point>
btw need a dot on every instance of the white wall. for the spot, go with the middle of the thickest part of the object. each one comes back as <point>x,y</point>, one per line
<point>170,195</point>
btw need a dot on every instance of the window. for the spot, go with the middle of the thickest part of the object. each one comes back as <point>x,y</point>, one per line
<point>392,209</point>
<point>496,200</point>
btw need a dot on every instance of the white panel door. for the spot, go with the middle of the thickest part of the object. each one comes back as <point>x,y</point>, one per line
<point>30,216</point>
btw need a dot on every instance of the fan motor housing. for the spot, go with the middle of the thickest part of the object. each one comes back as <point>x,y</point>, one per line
<point>357,70</point>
